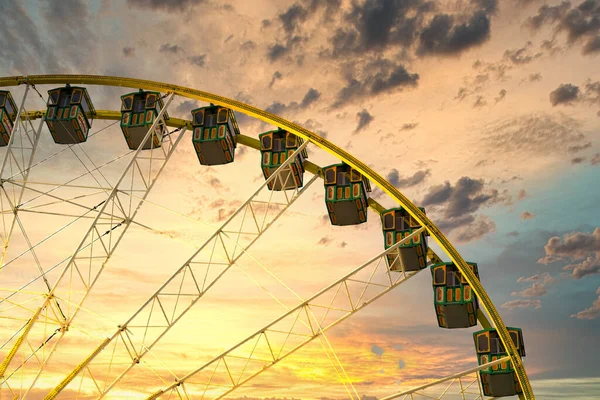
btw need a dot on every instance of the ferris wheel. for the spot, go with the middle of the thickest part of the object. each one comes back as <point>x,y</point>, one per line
<point>43,289</point>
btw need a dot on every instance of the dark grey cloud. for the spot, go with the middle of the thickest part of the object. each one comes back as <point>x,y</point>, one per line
<point>564,94</point>
<point>128,51</point>
<point>522,55</point>
<point>377,77</point>
<point>443,36</point>
<point>198,60</point>
<point>278,50</point>
<point>580,23</point>
<point>577,160</point>
<point>418,177</point>
<point>310,98</point>
<point>169,48</point>
<point>293,16</point>
<point>183,110</point>
<point>579,147</point>
<point>535,77</point>
<point>170,6</point>
<point>464,197</point>
<point>458,204</point>
<point>364,119</point>
<point>276,76</point>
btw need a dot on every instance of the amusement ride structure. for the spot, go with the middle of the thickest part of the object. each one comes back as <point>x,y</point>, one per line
<point>37,313</point>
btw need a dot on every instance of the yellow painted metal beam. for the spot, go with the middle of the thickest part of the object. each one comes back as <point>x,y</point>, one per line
<point>15,348</point>
<point>324,144</point>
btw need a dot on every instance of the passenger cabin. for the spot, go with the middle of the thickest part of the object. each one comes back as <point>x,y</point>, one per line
<point>138,112</point>
<point>275,147</point>
<point>346,195</point>
<point>215,134</point>
<point>68,114</point>
<point>397,224</point>
<point>8,113</point>
<point>499,380</point>
<point>455,303</point>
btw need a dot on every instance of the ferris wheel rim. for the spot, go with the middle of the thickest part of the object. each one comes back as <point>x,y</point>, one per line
<point>324,144</point>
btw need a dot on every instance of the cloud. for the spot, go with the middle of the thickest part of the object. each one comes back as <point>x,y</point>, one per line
<point>500,97</point>
<point>325,241</point>
<point>311,97</point>
<point>476,230</point>
<point>377,350</point>
<point>564,94</point>
<point>129,51</point>
<point>418,177</point>
<point>535,135</point>
<point>545,278</point>
<point>479,102</point>
<point>590,313</point>
<point>534,77</point>
<point>170,6</point>
<point>170,48</point>
<point>522,303</point>
<point>589,266</point>
<point>466,196</point>
<point>575,246</point>
<point>537,289</point>
<point>377,77</point>
<point>596,159</point>
<point>409,126</point>
<point>198,60</point>
<point>276,76</point>
<point>579,22</point>
<point>522,194</point>
<point>364,119</point>
<point>522,55</point>
<point>526,215</point>
<point>443,36</point>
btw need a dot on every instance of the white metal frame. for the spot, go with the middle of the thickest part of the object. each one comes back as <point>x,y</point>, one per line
<point>302,317</point>
<point>88,261</point>
<point>190,282</point>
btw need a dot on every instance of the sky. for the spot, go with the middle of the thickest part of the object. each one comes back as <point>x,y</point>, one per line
<point>485,112</point>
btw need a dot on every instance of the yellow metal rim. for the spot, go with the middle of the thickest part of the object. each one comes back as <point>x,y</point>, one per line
<point>324,144</point>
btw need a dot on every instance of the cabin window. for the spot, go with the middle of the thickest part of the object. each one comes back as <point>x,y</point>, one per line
<point>2,99</point>
<point>355,176</point>
<point>439,275</point>
<point>342,178</point>
<point>496,346</point>
<point>330,176</point>
<point>278,144</point>
<point>76,97</point>
<point>413,222</point>
<point>199,117</point>
<point>266,142</point>
<point>515,338</point>
<point>64,99</point>
<point>9,108</point>
<point>452,279</point>
<point>53,98</point>
<point>483,344</point>
<point>210,119</point>
<point>127,103</point>
<point>388,221</point>
<point>222,116</point>
<point>138,104</point>
<point>290,141</point>
<point>150,101</point>
<point>85,105</point>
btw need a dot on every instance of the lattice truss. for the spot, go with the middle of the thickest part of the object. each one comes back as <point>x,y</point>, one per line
<point>52,289</point>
